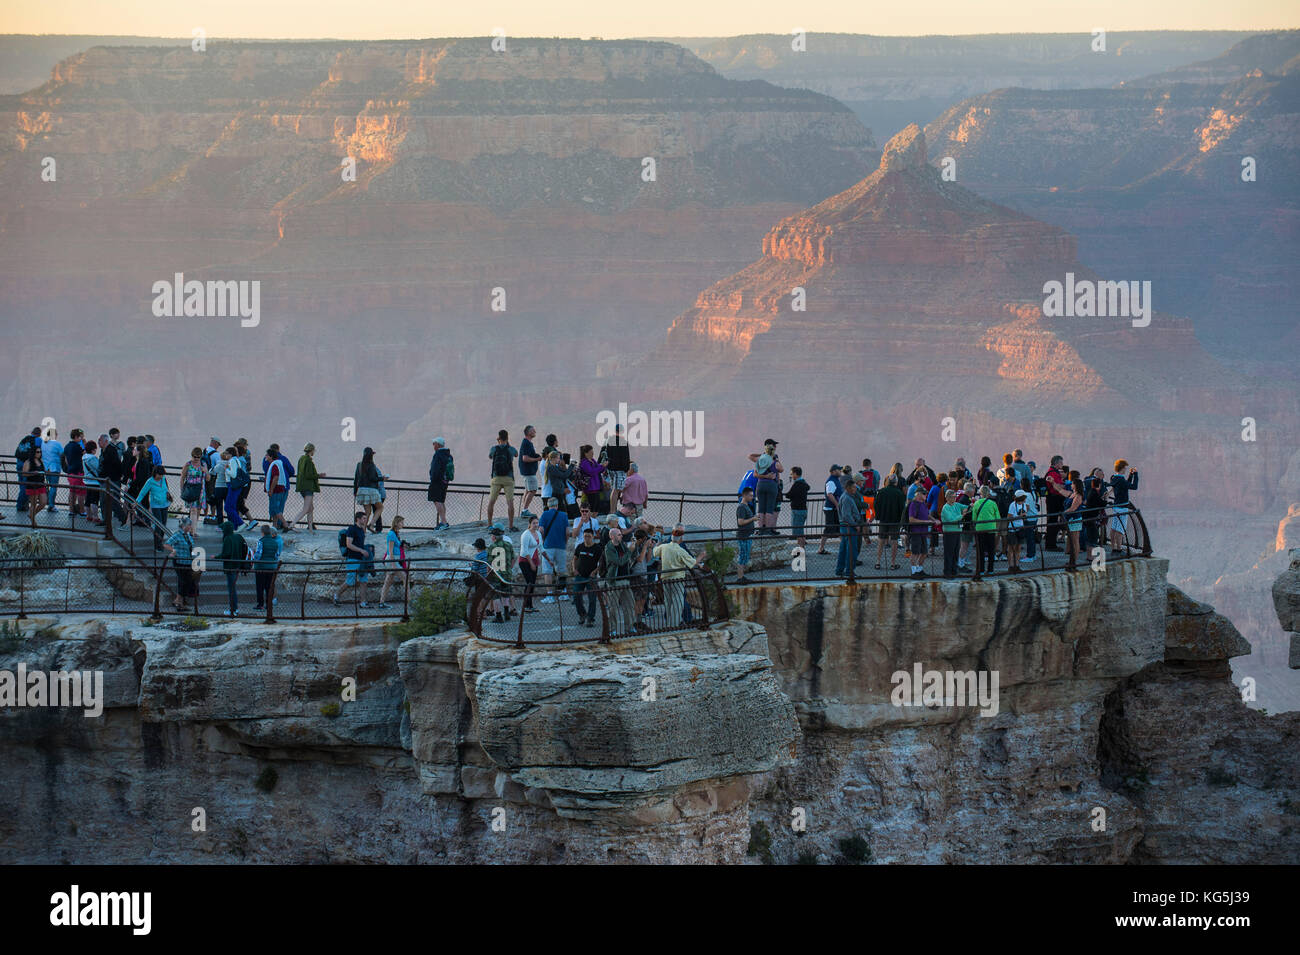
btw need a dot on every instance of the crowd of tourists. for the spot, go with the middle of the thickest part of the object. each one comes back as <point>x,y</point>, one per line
<point>583,513</point>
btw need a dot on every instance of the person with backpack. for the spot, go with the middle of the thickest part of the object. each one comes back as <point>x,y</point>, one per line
<point>442,471</point>
<point>212,500</point>
<point>1016,516</point>
<point>356,554</point>
<point>395,561</point>
<point>235,477</point>
<point>1057,495</point>
<point>985,518</point>
<point>308,487</point>
<point>266,565</point>
<point>554,527</point>
<point>501,562</point>
<point>110,473</point>
<point>246,463</point>
<point>890,503</point>
<point>365,488</point>
<point>22,454</point>
<point>276,482</point>
<point>233,557</point>
<point>502,455</point>
<point>194,479</point>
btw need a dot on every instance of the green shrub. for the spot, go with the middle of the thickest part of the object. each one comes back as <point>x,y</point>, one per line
<point>855,849</point>
<point>11,636</point>
<point>37,551</point>
<point>433,610</point>
<point>267,779</point>
<point>331,710</point>
<point>760,842</point>
<point>718,557</point>
<point>193,623</point>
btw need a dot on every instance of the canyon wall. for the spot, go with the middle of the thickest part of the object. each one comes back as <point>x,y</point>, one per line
<point>693,747</point>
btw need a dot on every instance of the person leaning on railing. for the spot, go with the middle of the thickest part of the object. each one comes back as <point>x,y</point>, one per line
<point>180,548</point>
<point>985,517</point>
<point>674,562</point>
<point>618,564</point>
<point>266,563</point>
<point>951,517</point>
<point>1120,485</point>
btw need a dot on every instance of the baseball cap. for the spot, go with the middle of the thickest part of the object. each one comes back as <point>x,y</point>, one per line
<point>1021,493</point>
<point>439,440</point>
<point>767,441</point>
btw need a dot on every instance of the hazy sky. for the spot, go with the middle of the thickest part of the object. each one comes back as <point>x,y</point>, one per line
<point>376,19</point>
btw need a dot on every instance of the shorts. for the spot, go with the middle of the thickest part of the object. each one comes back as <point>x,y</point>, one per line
<point>556,561</point>
<point>501,485</point>
<point>619,478</point>
<point>832,522</point>
<point>889,531</point>
<point>1074,524</point>
<point>353,567</point>
<point>766,494</point>
<point>917,546</point>
<point>277,503</point>
<point>742,550</point>
<point>798,519</point>
<point>368,495</point>
<point>530,482</point>
<point>306,495</point>
<point>92,497</point>
<point>75,481</point>
<point>1119,518</point>
<point>438,493</point>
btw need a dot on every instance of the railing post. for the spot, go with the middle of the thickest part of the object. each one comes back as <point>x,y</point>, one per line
<point>979,556</point>
<point>157,589</point>
<point>406,593</point>
<point>22,592</point>
<point>601,592</point>
<point>519,640</point>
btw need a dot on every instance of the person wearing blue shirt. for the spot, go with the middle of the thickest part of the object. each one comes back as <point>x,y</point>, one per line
<point>555,536</point>
<point>156,489</point>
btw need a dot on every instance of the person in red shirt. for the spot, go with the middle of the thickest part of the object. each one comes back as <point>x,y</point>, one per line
<point>1057,495</point>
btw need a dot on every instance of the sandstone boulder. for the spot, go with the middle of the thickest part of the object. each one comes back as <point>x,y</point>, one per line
<point>1194,632</point>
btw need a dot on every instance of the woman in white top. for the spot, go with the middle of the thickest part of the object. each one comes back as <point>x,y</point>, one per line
<point>530,542</point>
<point>1016,512</point>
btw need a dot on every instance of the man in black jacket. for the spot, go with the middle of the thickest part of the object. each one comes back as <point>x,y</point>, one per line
<point>438,480</point>
<point>110,476</point>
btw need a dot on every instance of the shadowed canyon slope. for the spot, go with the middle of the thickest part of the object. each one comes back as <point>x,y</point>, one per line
<point>475,170</point>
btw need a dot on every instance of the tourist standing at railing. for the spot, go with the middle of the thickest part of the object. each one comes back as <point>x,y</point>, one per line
<point>194,479</point>
<point>951,517</point>
<point>355,556</point>
<point>246,463</point>
<point>797,496</point>
<point>110,474</point>
<point>618,565</point>
<point>1124,480</point>
<point>365,488</point>
<point>180,548</point>
<point>831,507</point>
<point>52,455</point>
<point>984,476</point>
<point>1094,508</point>
<point>616,457</point>
<point>557,479</point>
<point>528,462</point>
<point>31,481</point>
<point>586,560</point>
<point>1017,514</point>
<point>924,472</point>
<point>237,481</point>
<point>592,474</point>
<point>586,520</point>
<point>642,548</point>
<point>502,457</point>
<point>1057,495</point>
<point>90,471</point>
<point>155,453</point>
<point>1022,468</point>
<point>234,550</point>
<point>212,501</point>
<point>308,487</point>
<point>441,469</point>
<point>554,527</point>
<point>75,471</point>
<point>276,483</point>
<point>934,501</point>
<point>920,523</point>
<point>266,564</point>
<point>890,505</point>
<point>530,558</point>
<point>767,471</point>
<point>1030,532</point>
<point>22,454</point>
<point>960,472</point>
<point>674,563</point>
<point>985,519</point>
<point>745,520</point>
<point>850,520</point>
<point>501,560</point>
<point>635,490</point>
<point>155,488</point>
<point>1073,516</point>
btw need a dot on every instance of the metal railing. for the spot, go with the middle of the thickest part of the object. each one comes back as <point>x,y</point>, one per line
<point>629,606</point>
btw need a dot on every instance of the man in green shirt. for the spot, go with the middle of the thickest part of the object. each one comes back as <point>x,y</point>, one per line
<point>501,558</point>
<point>985,514</point>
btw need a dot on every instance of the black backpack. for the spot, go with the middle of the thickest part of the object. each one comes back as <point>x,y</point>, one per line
<point>501,461</point>
<point>1003,496</point>
<point>25,448</point>
<point>343,542</point>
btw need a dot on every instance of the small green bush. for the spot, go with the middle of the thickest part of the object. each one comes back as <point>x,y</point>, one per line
<point>855,849</point>
<point>433,610</point>
<point>194,623</point>
<point>36,550</point>
<point>267,779</point>
<point>331,710</point>
<point>718,557</point>
<point>11,636</point>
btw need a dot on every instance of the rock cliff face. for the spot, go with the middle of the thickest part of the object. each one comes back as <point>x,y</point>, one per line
<point>694,747</point>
